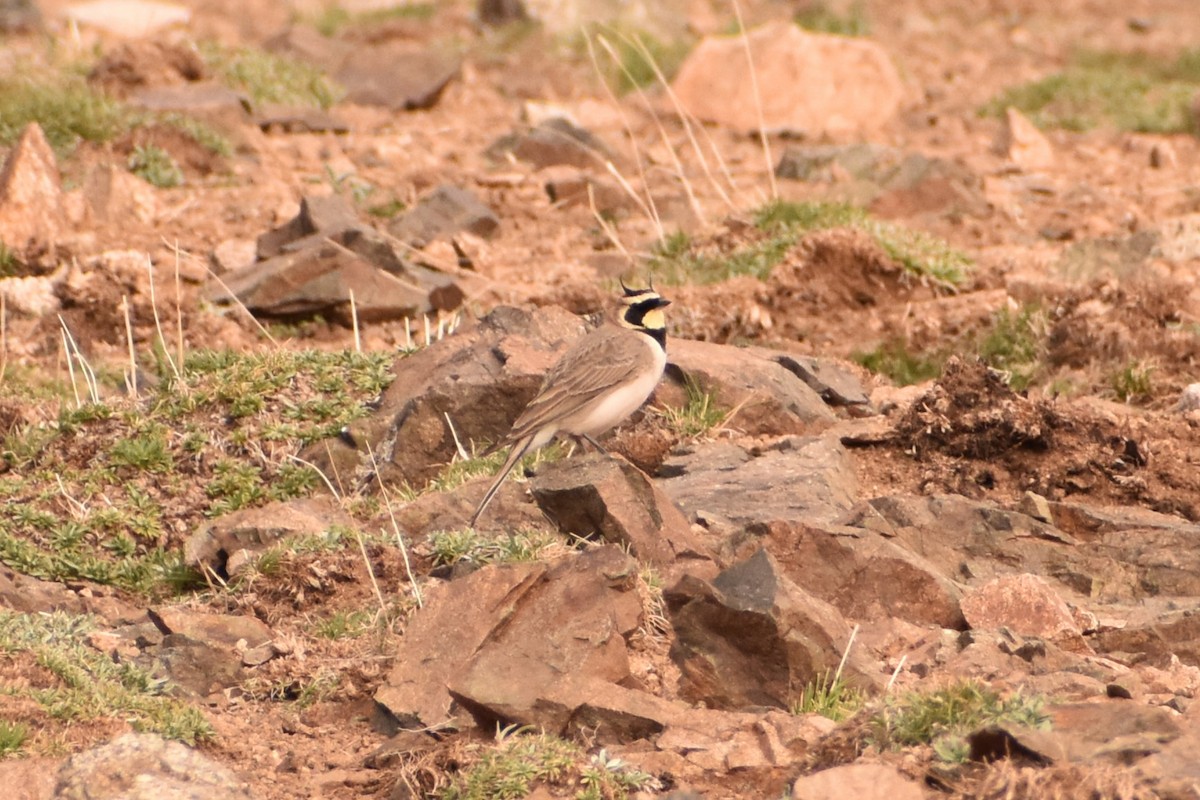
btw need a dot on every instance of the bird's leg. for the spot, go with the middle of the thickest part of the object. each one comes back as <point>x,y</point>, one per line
<point>599,447</point>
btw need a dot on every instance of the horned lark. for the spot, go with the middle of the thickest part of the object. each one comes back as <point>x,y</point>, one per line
<point>602,379</point>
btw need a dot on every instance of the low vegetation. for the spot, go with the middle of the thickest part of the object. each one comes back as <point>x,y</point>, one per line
<point>819,16</point>
<point>335,18</point>
<point>698,416</point>
<point>269,77</point>
<point>104,491</point>
<point>1126,91</point>
<point>466,544</point>
<point>781,225</point>
<point>521,760</point>
<point>945,717</point>
<point>155,166</point>
<point>86,684</point>
<point>830,696</point>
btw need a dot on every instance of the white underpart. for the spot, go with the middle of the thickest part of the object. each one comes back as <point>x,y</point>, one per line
<point>622,401</point>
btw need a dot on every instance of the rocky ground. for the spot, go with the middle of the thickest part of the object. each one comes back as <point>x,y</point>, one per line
<point>910,514</point>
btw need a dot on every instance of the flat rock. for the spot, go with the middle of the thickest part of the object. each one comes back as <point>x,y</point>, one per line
<point>609,498</point>
<point>1025,604</point>
<point>31,195</point>
<point>751,636</point>
<point>725,486</point>
<point>133,19</point>
<point>892,182</point>
<point>770,398</point>
<point>144,766</point>
<point>1114,732</point>
<point>860,781</point>
<point>397,76</point>
<point>226,630</point>
<point>850,87</point>
<point>198,668</point>
<point>31,595</point>
<point>445,211</point>
<point>201,97</point>
<point>227,543</point>
<point>298,119</point>
<point>554,142</point>
<point>1169,635</point>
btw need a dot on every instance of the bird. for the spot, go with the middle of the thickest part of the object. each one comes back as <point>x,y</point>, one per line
<point>600,380</point>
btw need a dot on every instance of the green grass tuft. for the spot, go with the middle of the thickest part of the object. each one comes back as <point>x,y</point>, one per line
<point>155,166</point>
<point>68,110</point>
<point>89,684</point>
<point>521,760</point>
<point>699,415</point>
<point>465,544</point>
<point>820,17</point>
<point>782,225</point>
<point>1134,381</point>
<point>829,696</point>
<point>943,718</point>
<point>1013,345</point>
<point>1128,91</point>
<point>12,737</point>
<point>270,78</point>
<point>902,366</point>
<point>335,19</point>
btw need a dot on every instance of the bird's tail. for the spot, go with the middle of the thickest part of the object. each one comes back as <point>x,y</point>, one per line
<point>518,450</point>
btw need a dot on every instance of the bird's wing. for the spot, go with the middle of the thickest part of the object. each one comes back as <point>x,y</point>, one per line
<point>607,357</point>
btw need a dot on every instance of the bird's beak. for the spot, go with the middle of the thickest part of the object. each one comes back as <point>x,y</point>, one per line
<point>662,302</point>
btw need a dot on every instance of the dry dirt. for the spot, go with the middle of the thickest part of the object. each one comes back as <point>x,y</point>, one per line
<point>836,295</point>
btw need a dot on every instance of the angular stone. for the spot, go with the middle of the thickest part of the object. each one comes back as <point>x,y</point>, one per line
<point>31,195</point>
<point>397,76</point>
<point>769,398</point>
<point>568,187</point>
<point>596,495</point>
<point>298,119</point>
<point>1025,604</point>
<point>442,213</point>
<point>850,86</point>
<point>144,766</point>
<point>725,487</point>
<point>248,531</point>
<point>571,627</point>
<point>1167,635</point>
<point>833,381</point>
<point>860,572</point>
<point>860,781</point>
<point>321,280</point>
<point>1022,143</point>
<point>751,636</point>
<point>442,635</point>
<point>532,634</point>
<point>327,216</point>
<point>116,194</point>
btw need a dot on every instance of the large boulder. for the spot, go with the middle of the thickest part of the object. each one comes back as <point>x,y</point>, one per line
<point>808,83</point>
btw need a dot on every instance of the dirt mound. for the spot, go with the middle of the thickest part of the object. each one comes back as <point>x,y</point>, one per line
<point>971,412</point>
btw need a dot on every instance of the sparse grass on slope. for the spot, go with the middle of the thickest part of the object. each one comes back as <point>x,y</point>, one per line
<point>1128,91</point>
<point>521,760</point>
<point>106,493</point>
<point>87,684</point>
<point>70,111</point>
<point>270,78</point>
<point>943,718</point>
<point>781,225</point>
